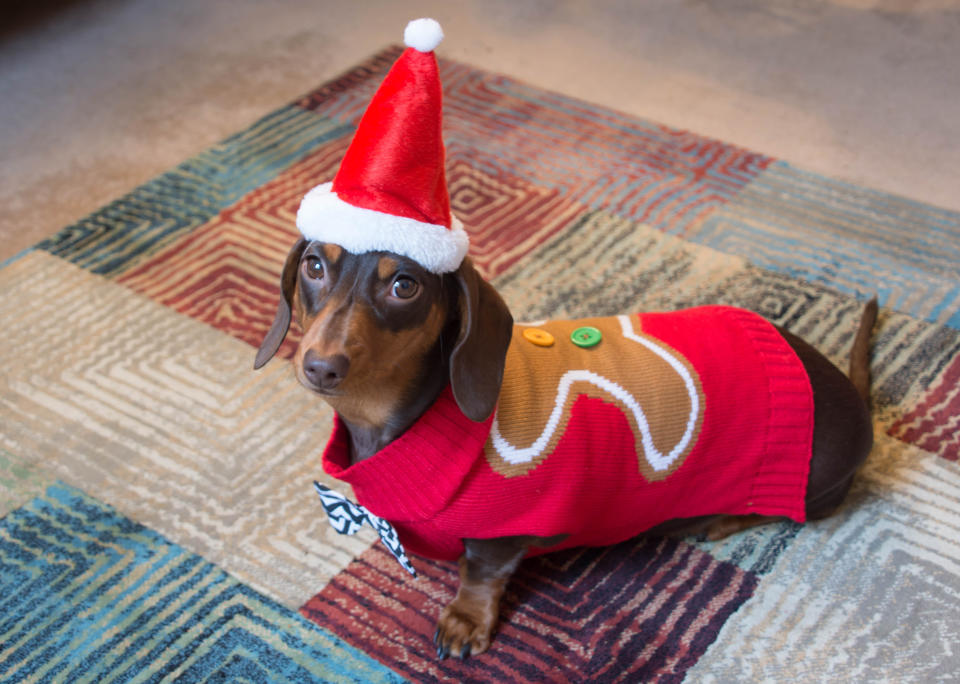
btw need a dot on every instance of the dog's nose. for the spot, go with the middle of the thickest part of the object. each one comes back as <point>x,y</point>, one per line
<point>325,372</point>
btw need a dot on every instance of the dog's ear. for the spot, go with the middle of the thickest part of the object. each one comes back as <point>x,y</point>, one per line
<point>281,322</point>
<point>476,364</point>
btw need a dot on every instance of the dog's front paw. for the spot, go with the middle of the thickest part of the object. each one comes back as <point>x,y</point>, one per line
<point>464,628</point>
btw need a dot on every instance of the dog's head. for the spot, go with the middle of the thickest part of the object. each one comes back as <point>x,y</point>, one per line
<point>379,330</point>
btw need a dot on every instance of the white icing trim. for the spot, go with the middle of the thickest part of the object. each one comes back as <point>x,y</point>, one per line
<point>657,460</point>
<point>325,217</point>
<point>664,462</point>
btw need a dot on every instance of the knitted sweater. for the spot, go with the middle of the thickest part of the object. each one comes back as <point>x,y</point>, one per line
<point>698,412</point>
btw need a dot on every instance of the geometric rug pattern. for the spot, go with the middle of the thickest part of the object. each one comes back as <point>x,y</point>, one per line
<point>636,611</point>
<point>89,595</point>
<point>157,518</point>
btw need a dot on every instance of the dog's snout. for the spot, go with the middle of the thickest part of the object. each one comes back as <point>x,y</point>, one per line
<point>325,372</point>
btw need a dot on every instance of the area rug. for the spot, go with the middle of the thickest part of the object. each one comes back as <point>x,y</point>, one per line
<point>159,519</point>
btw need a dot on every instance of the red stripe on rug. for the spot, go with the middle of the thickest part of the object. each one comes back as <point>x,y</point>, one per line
<point>506,217</point>
<point>358,84</point>
<point>226,273</point>
<point>934,424</point>
<point>638,611</point>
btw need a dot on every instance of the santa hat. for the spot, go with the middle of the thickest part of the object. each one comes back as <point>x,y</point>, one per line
<point>390,193</point>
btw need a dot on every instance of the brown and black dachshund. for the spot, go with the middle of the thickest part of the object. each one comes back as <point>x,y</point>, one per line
<point>382,337</point>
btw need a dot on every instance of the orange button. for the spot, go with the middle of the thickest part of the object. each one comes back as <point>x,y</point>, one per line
<point>539,337</point>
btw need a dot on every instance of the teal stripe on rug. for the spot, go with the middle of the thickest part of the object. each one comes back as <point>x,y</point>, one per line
<point>852,239</point>
<point>156,213</point>
<point>88,595</point>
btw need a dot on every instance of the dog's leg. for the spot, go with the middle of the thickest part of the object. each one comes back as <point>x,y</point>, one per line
<point>466,625</point>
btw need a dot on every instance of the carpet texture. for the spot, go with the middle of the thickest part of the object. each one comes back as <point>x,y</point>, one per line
<point>159,519</point>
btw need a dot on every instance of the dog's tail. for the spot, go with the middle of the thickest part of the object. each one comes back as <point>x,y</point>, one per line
<point>860,353</point>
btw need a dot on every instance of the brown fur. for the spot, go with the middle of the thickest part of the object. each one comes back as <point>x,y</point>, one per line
<point>467,623</point>
<point>380,362</point>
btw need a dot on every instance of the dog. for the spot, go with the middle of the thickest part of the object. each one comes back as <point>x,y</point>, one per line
<point>384,341</point>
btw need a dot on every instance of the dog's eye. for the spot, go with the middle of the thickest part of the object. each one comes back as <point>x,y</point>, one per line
<point>405,287</point>
<point>313,268</point>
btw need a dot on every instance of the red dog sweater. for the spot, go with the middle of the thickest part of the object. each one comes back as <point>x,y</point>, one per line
<point>620,424</point>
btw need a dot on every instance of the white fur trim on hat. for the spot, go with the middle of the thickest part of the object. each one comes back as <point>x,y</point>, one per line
<point>325,217</point>
<point>423,34</point>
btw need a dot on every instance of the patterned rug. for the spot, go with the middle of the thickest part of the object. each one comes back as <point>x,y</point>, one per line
<point>158,515</point>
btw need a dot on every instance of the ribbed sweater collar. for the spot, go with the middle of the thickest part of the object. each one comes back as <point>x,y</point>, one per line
<point>417,475</point>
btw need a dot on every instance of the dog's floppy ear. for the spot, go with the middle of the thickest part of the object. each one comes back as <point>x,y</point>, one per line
<point>281,322</point>
<point>476,365</point>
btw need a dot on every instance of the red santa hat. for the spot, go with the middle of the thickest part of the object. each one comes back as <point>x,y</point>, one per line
<point>390,193</point>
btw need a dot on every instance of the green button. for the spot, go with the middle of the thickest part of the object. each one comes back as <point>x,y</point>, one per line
<point>587,336</point>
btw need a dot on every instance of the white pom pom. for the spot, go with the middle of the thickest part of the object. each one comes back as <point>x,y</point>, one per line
<point>423,34</point>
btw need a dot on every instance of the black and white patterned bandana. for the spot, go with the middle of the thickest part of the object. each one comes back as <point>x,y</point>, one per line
<point>347,517</point>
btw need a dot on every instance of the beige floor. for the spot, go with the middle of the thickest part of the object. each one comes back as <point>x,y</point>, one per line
<point>99,96</point>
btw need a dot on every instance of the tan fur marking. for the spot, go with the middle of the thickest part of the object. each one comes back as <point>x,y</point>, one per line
<point>332,252</point>
<point>386,267</point>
